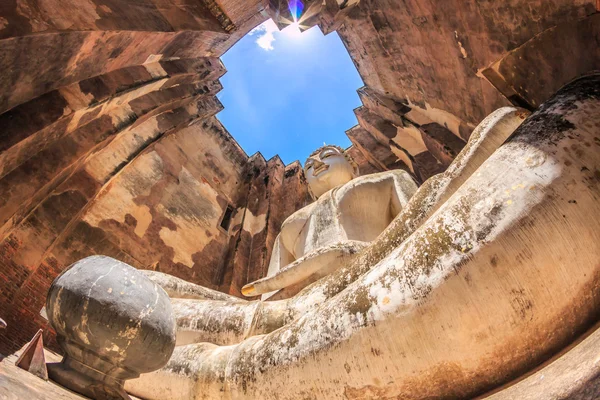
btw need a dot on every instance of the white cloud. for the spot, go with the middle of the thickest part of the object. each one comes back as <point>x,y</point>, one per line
<point>265,34</point>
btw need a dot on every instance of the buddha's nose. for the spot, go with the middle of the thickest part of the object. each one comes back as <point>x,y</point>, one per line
<point>317,167</point>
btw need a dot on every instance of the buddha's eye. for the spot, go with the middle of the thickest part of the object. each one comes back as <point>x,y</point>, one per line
<point>328,153</point>
<point>308,165</point>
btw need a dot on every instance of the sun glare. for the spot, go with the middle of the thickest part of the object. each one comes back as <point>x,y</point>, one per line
<point>293,31</point>
<point>294,26</point>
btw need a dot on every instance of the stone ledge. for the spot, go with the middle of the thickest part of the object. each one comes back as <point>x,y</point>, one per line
<point>18,384</point>
<point>574,375</point>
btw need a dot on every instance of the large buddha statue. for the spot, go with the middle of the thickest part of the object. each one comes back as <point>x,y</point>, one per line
<point>485,272</point>
<point>349,213</point>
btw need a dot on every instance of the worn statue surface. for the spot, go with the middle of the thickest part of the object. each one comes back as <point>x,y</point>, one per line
<point>485,272</point>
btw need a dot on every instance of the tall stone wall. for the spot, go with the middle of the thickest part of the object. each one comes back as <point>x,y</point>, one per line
<point>51,217</point>
<point>108,142</point>
<point>165,209</point>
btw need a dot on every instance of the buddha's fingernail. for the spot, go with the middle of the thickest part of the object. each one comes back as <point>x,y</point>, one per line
<point>248,290</point>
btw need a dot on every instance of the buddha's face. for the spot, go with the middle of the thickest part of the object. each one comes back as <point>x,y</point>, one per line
<point>327,169</point>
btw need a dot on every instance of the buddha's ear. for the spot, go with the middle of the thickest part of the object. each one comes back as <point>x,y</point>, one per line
<point>312,195</point>
<point>310,192</point>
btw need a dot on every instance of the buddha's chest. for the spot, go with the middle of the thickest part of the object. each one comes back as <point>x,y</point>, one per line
<point>316,226</point>
<point>357,211</point>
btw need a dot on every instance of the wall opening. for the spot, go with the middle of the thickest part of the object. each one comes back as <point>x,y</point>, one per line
<point>226,220</point>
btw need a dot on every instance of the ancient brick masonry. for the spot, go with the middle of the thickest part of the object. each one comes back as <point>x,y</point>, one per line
<point>109,144</point>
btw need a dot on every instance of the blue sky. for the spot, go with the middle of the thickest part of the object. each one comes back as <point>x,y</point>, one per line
<point>288,92</point>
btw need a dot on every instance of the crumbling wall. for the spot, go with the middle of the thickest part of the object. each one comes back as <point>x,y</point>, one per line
<point>426,68</point>
<point>165,209</point>
<point>108,143</point>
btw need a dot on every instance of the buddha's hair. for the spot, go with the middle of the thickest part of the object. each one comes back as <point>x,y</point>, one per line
<point>341,150</point>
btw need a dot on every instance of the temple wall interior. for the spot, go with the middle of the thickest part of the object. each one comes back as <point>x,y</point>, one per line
<point>109,142</point>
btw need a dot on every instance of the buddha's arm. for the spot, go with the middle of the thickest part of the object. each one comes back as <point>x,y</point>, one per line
<point>280,257</point>
<point>321,263</point>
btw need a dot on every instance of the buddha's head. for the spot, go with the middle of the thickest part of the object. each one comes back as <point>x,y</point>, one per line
<point>328,167</point>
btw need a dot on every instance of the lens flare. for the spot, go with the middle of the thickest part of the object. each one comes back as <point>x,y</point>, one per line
<point>296,7</point>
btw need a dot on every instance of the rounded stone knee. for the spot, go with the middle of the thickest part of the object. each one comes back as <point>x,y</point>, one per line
<point>113,324</point>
